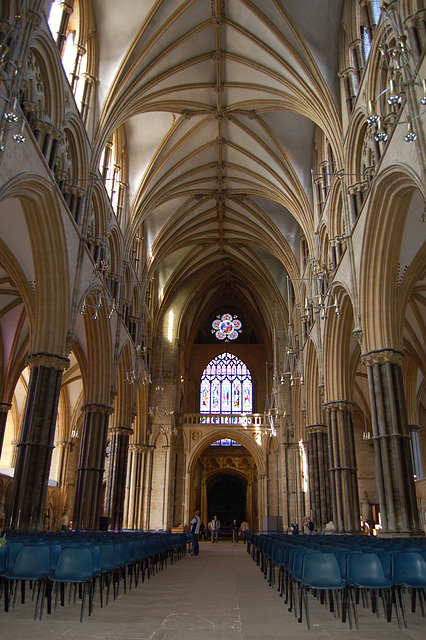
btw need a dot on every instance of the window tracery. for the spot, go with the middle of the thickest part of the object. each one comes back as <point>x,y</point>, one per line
<point>226,386</point>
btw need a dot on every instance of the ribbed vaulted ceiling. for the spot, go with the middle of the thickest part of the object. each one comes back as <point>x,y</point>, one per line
<point>219,100</point>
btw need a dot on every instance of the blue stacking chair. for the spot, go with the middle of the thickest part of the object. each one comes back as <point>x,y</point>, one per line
<point>365,573</point>
<point>108,567</point>
<point>120,565</point>
<point>408,569</point>
<point>277,558</point>
<point>296,571</point>
<point>4,556</point>
<point>32,564</point>
<point>131,561</point>
<point>74,567</point>
<point>320,572</point>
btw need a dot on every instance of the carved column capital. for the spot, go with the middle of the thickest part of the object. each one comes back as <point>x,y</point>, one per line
<point>394,356</point>
<point>104,409</point>
<point>67,8</point>
<point>316,428</point>
<point>48,360</point>
<point>120,431</point>
<point>339,405</point>
<point>61,444</point>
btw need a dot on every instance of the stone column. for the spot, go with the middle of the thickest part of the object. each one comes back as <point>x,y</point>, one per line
<point>140,486</point>
<point>129,495</point>
<point>64,450</point>
<point>147,488</point>
<point>342,467</point>
<point>29,487</point>
<point>204,513</point>
<point>62,33</point>
<point>4,410</point>
<point>14,453</point>
<point>319,483</point>
<point>263,509</point>
<point>391,436</point>
<point>116,474</point>
<point>89,82</point>
<point>415,451</point>
<point>91,464</point>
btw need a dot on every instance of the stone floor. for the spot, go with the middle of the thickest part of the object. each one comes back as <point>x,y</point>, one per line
<point>221,594</point>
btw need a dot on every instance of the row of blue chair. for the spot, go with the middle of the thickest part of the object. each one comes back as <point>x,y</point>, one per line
<point>84,560</point>
<point>345,568</point>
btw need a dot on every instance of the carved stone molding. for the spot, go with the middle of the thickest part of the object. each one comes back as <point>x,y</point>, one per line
<point>394,356</point>
<point>138,448</point>
<point>61,443</point>
<point>227,462</point>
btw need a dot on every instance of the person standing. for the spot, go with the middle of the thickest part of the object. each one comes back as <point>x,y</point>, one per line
<point>234,528</point>
<point>294,528</point>
<point>215,526</point>
<point>64,521</point>
<point>244,529</point>
<point>203,532</point>
<point>308,526</point>
<point>195,530</point>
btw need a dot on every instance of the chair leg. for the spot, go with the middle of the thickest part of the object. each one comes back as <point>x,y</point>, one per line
<point>83,601</point>
<point>49,596</point>
<point>6,595</point>
<point>41,592</point>
<point>353,602</point>
<point>421,600</point>
<point>400,596</point>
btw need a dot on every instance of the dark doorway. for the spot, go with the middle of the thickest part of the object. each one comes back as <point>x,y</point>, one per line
<point>226,498</point>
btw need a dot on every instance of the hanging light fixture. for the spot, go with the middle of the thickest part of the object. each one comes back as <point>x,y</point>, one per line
<point>410,136</point>
<point>102,302</point>
<point>10,67</point>
<point>396,59</point>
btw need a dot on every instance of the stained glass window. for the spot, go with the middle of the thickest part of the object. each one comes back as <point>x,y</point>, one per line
<point>225,442</point>
<point>226,386</point>
<point>226,327</point>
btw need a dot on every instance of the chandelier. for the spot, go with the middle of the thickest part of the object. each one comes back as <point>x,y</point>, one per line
<point>319,296</point>
<point>140,372</point>
<point>404,85</point>
<point>102,302</point>
<point>11,117</point>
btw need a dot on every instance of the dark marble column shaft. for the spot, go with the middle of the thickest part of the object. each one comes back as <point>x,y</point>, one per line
<point>391,436</point>
<point>116,475</point>
<point>4,410</point>
<point>35,446</point>
<point>319,483</point>
<point>91,466</point>
<point>342,467</point>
